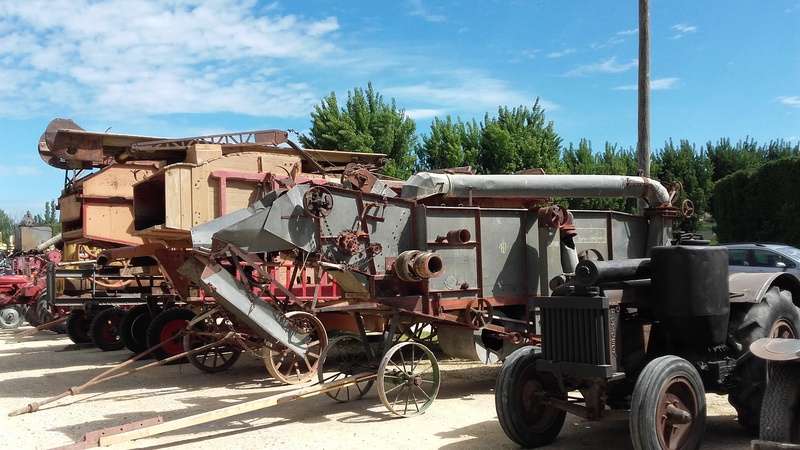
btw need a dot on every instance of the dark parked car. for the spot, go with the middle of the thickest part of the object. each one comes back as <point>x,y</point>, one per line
<point>763,258</point>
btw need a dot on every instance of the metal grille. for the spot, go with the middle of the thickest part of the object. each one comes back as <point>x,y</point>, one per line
<point>574,330</point>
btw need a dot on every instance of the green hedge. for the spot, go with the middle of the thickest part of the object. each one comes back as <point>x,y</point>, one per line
<point>759,206</point>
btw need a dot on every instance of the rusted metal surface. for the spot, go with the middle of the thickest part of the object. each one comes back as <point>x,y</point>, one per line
<point>93,438</point>
<point>776,349</point>
<point>149,149</point>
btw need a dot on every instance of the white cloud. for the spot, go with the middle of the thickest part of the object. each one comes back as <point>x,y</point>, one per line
<point>608,66</point>
<point>420,10</point>
<point>628,32</point>
<point>463,90</point>
<point>682,30</point>
<point>25,171</point>
<point>793,100</point>
<point>419,114</point>
<point>564,52</point>
<point>660,84</point>
<point>90,58</point>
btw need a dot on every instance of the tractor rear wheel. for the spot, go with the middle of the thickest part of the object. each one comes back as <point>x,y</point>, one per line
<point>11,317</point>
<point>46,312</point>
<point>780,410</point>
<point>775,316</point>
<point>32,316</point>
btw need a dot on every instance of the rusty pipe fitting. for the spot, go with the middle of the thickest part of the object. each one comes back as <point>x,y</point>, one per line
<point>416,265</point>
<point>456,237</point>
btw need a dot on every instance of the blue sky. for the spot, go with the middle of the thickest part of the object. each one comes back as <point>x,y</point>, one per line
<point>179,68</point>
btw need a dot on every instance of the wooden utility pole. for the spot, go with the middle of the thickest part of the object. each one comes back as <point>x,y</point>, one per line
<point>643,146</point>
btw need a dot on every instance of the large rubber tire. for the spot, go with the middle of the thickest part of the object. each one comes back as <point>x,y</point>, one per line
<point>104,330</point>
<point>780,410</point>
<point>78,325</point>
<point>133,328</point>
<point>32,315</point>
<point>11,317</point>
<point>775,316</point>
<point>665,382</point>
<point>44,311</point>
<point>524,420</point>
<point>164,326</point>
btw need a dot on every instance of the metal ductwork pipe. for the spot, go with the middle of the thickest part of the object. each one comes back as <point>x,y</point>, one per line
<point>427,184</point>
<point>456,237</point>
<point>46,244</point>
<point>590,272</point>
<point>416,265</point>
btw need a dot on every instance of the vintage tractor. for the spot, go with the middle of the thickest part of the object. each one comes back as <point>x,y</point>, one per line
<point>646,338</point>
<point>23,281</point>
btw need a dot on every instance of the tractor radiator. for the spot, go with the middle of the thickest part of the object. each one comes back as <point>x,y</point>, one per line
<point>578,335</point>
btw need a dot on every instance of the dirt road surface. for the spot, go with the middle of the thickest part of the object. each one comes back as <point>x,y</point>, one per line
<point>462,417</point>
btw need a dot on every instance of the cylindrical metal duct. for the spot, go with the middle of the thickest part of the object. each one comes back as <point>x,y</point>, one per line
<point>590,272</point>
<point>416,265</point>
<point>427,184</point>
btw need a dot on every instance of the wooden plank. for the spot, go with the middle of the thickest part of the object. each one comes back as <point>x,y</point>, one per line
<point>234,410</point>
<point>69,207</point>
<point>116,180</point>
<point>201,212</point>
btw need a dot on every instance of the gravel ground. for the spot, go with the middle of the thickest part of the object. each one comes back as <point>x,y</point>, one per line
<point>463,416</point>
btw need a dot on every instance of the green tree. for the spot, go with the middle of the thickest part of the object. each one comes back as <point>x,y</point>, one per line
<point>366,124</point>
<point>6,227</point>
<point>693,170</point>
<point>518,139</point>
<point>612,161</point>
<point>450,144</point>
<point>726,159</point>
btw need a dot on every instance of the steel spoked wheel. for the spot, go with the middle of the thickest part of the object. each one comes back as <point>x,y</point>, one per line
<point>78,325</point>
<point>478,313</point>
<point>418,331</point>
<point>11,317</point>
<point>668,408</point>
<point>288,367</point>
<point>214,359</point>
<point>104,330</point>
<point>344,356</point>
<point>164,328</point>
<point>408,379</point>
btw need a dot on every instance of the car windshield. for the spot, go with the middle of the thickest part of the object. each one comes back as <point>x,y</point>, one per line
<point>790,251</point>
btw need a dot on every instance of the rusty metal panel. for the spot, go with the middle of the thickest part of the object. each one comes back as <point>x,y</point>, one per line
<point>503,249</point>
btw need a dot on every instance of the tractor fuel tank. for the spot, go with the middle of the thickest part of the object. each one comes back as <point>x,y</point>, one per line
<point>690,288</point>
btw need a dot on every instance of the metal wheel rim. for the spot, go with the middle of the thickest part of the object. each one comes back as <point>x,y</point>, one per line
<point>214,359</point>
<point>782,328</point>
<point>11,317</point>
<point>538,415</point>
<point>679,393</point>
<point>109,331</point>
<point>405,381</point>
<point>348,364</point>
<point>170,329</point>
<point>288,367</point>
